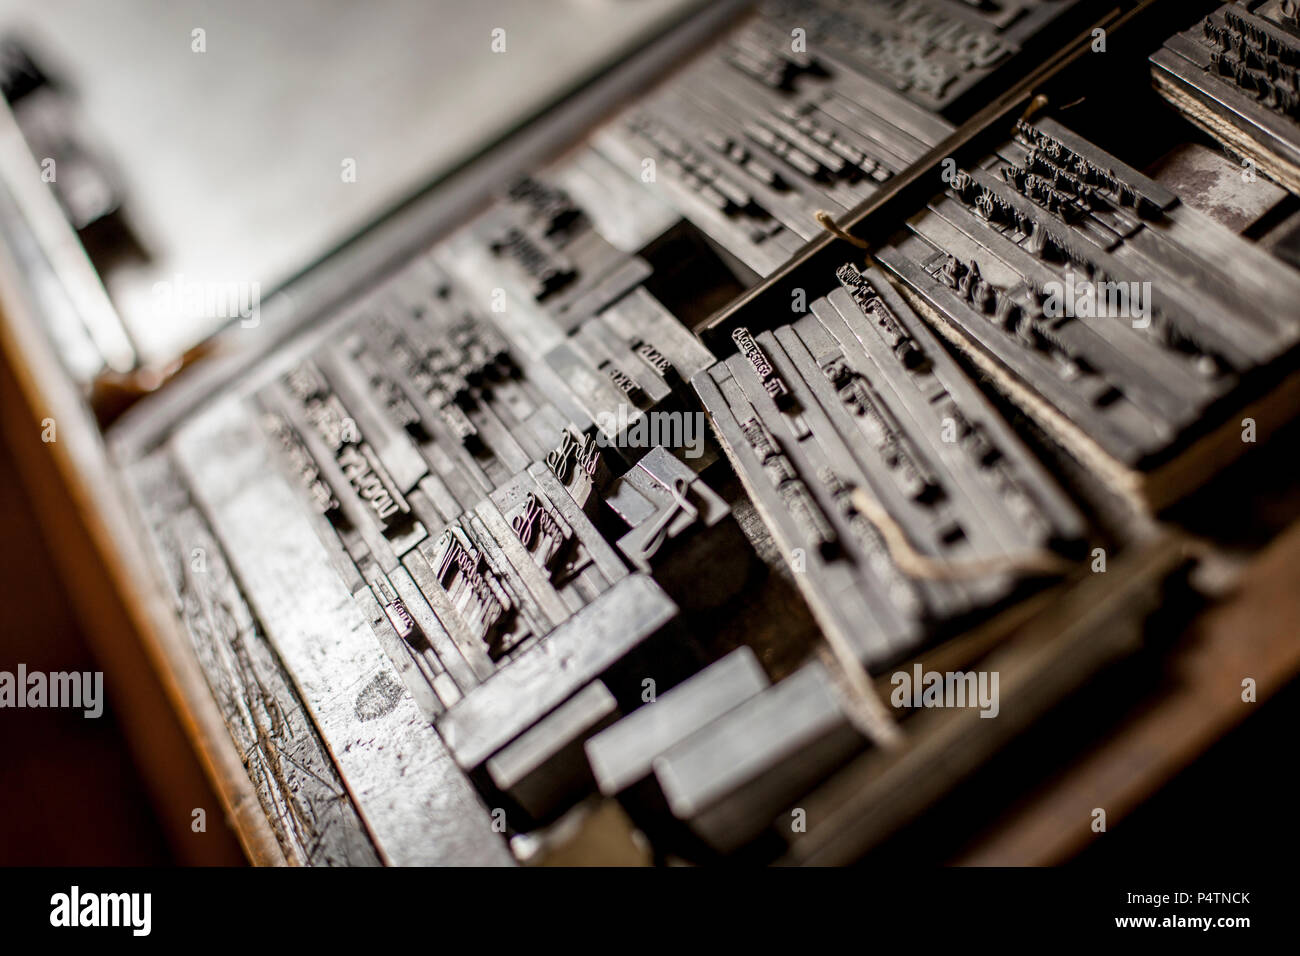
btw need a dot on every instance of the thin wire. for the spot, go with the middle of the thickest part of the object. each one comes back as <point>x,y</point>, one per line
<point>827,222</point>
<point>914,564</point>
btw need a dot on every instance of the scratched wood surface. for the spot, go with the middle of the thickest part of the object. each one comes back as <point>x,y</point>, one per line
<point>288,764</point>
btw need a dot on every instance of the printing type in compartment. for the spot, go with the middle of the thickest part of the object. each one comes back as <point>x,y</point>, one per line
<point>905,505</point>
<point>1236,74</point>
<point>1119,317</point>
<point>753,138</point>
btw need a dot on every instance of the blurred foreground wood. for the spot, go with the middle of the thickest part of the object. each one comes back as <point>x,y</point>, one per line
<point>1253,634</point>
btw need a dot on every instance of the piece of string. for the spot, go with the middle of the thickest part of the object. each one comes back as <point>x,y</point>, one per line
<point>827,222</point>
<point>917,565</point>
<point>1036,106</point>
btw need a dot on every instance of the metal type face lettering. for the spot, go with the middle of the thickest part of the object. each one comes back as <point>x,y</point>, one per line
<point>403,623</point>
<point>913,43</point>
<point>301,464</point>
<point>538,530</point>
<point>880,407</point>
<point>574,455</point>
<point>509,560</point>
<point>928,51</point>
<point>749,348</point>
<point>480,596</point>
<point>536,245</point>
<point>788,484</point>
<point>549,270</point>
<point>757,135</point>
<point>895,448</point>
<point>359,466</point>
<point>1236,74</point>
<point>1259,60</point>
<point>653,357</point>
<point>541,243</point>
<point>624,382</point>
<point>1094,287</point>
<point>401,620</point>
